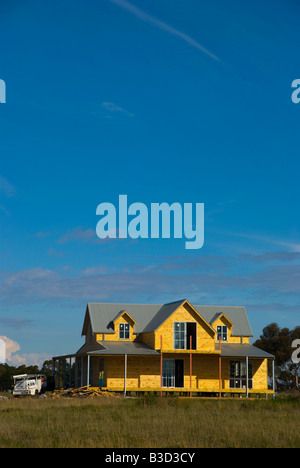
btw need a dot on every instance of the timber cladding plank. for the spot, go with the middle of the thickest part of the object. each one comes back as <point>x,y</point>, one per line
<point>144,372</point>
<point>205,336</point>
<point>141,371</point>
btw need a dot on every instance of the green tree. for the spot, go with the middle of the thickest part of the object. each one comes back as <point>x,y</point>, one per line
<point>7,372</point>
<point>6,377</point>
<point>278,341</point>
<point>47,368</point>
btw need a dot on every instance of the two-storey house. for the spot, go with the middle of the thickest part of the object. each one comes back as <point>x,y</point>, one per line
<point>190,349</point>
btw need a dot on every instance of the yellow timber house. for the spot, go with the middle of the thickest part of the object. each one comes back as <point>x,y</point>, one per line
<point>192,350</point>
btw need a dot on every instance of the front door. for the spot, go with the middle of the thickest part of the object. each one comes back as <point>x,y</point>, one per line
<point>173,373</point>
<point>179,373</point>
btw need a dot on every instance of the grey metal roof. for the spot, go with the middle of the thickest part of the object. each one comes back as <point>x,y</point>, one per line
<point>236,314</point>
<point>242,350</point>
<point>88,347</point>
<point>126,347</point>
<point>149,317</point>
<point>103,314</point>
<point>136,348</point>
<point>162,314</point>
<point>215,317</point>
<point>120,314</point>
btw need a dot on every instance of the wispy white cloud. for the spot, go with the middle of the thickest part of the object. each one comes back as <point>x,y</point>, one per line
<point>15,323</point>
<point>152,20</point>
<point>41,235</point>
<point>7,188</point>
<point>111,107</point>
<point>29,359</point>
<point>4,210</point>
<point>87,235</point>
<point>78,234</point>
<point>282,257</point>
<point>229,280</point>
<point>181,277</point>
<point>54,253</point>
<point>289,245</point>
<point>95,270</point>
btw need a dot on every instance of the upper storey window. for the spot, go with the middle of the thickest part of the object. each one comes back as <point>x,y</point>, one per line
<point>222,332</point>
<point>185,335</point>
<point>124,331</point>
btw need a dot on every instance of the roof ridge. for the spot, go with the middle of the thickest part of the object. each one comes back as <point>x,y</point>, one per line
<point>217,305</point>
<point>128,303</point>
<point>166,303</point>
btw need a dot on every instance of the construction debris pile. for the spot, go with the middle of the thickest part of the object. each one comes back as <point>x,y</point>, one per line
<point>84,392</point>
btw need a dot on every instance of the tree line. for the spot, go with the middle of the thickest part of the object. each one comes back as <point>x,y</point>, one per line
<point>279,342</point>
<point>7,372</point>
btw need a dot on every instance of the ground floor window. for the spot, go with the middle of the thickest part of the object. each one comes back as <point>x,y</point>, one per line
<point>173,373</point>
<point>238,374</point>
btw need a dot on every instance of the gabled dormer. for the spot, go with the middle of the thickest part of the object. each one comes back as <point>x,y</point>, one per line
<point>179,327</point>
<point>223,326</point>
<point>123,325</point>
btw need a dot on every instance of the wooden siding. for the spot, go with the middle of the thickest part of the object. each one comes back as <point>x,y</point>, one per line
<point>143,372</point>
<point>223,321</point>
<point>149,339</point>
<point>230,328</point>
<point>115,336</point>
<point>206,335</point>
<point>185,313</point>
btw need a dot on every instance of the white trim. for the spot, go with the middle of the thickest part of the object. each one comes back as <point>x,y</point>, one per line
<point>88,371</point>
<point>125,373</point>
<point>124,330</point>
<point>185,334</point>
<point>222,341</point>
<point>172,359</point>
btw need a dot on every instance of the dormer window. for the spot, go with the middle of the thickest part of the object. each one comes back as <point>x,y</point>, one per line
<point>222,332</point>
<point>124,331</point>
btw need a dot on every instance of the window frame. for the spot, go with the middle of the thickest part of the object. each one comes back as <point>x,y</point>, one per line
<point>124,330</point>
<point>183,337</point>
<point>169,372</point>
<point>222,330</point>
<point>238,374</point>
<point>179,339</point>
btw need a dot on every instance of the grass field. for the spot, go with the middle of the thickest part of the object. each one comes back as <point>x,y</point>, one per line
<point>150,422</point>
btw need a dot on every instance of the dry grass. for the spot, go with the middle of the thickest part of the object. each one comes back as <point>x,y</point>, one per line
<point>149,422</point>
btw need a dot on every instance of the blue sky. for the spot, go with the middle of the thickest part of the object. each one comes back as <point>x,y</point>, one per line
<point>165,101</point>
